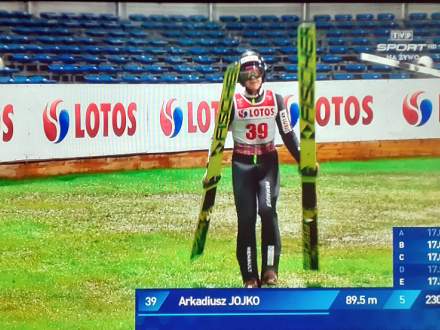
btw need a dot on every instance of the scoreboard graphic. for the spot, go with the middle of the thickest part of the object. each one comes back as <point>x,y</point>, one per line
<point>412,303</point>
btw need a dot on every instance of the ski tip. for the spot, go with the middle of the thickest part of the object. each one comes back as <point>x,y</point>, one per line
<point>195,255</point>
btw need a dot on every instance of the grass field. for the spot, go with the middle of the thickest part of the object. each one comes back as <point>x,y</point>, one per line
<point>74,248</point>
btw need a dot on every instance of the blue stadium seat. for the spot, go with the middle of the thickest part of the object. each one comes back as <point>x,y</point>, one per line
<point>37,79</point>
<point>118,59</point>
<point>323,67</point>
<point>148,79</point>
<point>418,16</point>
<point>248,18</point>
<point>144,59</point>
<point>380,68</point>
<point>197,51</point>
<point>170,79</point>
<point>230,42</point>
<point>204,59</point>
<point>385,17</point>
<point>205,69</point>
<point>207,42</point>
<point>371,75</point>
<point>266,51</point>
<point>5,79</point>
<point>133,68</point>
<point>155,69</point>
<point>435,16</point>
<point>234,26</point>
<point>290,67</point>
<point>355,67</point>
<point>337,49</point>
<point>288,50</point>
<point>318,18</point>
<point>290,18</point>
<point>191,78</point>
<point>322,76</point>
<point>174,59</point>
<point>19,80</point>
<point>108,68</point>
<point>228,18</point>
<point>342,76</point>
<point>101,79</point>
<point>281,42</point>
<point>42,58</point>
<point>269,18</point>
<point>362,49</point>
<point>399,75</point>
<point>214,78</point>
<point>364,17</point>
<point>63,68</point>
<point>288,76</point>
<point>21,58</point>
<point>324,25</point>
<point>336,41</point>
<point>330,58</point>
<point>184,69</point>
<point>137,17</point>
<point>292,58</point>
<point>131,79</point>
<point>360,41</point>
<point>343,17</point>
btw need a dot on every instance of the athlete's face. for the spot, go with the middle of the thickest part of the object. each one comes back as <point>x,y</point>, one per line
<point>253,85</point>
<point>252,77</point>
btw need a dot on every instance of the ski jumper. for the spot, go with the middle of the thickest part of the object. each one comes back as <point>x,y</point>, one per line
<point>255,176</point>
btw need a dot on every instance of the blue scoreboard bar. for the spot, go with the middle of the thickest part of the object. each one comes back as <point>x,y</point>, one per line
<point>413,302</point>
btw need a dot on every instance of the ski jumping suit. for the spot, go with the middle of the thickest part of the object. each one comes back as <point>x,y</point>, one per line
<point>255,176</point>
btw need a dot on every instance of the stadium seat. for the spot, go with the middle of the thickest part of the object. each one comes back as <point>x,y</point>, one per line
<point>288,76</point>
<point>228,18</point>
<point>380,68</point>
<point>132,68</point>
<point>399,75</point>
<point>148,79</point>
<point>385,17</point>
<point>364,17</point>
<point>204,59</point>
<point>101,79</point>
<point>214,78</point>
<point>318,18</point>
<point>292,58</point>
<point>5,79</point>
<point>371,75</point>
<point>131,79</point>
<point>322,76</point>
<point>330,58</point>
<point>40,80</point>
<point>355,67</point>
<point>342,76</point>
<point>290,18</point>
<point>205,69</point>
<point>323,67</point>
<point>418,16</point>
<point>290,67</point>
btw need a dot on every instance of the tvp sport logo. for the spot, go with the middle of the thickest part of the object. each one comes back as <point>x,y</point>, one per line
<point>416,109</point>
<point>55,123</point>
<point>171,118</point>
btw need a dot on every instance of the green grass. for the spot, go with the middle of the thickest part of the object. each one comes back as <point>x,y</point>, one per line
<point>73,249</point>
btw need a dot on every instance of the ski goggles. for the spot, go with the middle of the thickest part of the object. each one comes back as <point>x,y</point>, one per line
<point>251,72</point>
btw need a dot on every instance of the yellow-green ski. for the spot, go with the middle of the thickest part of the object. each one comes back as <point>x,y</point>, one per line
<point>214,165</point>
<point>306,82</point>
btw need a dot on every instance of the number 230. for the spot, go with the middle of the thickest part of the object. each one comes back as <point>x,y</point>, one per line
<point>259,130</point>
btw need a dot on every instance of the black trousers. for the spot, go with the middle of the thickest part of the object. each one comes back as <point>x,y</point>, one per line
<point>256,186</point>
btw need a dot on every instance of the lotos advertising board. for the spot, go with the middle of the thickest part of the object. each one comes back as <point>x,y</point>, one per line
<point>74,121</point>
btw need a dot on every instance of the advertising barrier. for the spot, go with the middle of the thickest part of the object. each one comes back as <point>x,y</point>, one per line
<point>39,122</point>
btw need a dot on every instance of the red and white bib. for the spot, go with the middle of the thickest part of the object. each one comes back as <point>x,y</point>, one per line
<point>254,123</point>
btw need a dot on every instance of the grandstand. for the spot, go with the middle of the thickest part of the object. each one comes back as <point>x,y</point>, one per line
<point>90,47</point>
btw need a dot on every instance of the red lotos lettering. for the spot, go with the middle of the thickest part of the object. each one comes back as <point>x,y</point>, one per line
<point>8,111</point>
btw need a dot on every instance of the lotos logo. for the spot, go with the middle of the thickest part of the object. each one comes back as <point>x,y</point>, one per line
<point>416,112</point>
<point>55,126</point>
<point>293,109</point>
<point>171,119</point>
<point>6,123</point>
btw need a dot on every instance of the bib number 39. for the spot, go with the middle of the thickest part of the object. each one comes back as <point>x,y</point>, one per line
<point>254,131</point>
